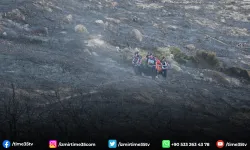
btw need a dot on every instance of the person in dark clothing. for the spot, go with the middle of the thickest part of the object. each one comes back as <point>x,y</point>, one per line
<point>136,62</point>
<point>148,54</point>
<point>165,67</point>
<point>151,64</point>
<point>136,59</point>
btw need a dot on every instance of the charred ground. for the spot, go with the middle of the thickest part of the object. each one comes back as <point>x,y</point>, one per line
<point>56,82</point>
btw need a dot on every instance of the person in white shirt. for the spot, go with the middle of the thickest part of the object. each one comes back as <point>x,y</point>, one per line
<point>165,66</point>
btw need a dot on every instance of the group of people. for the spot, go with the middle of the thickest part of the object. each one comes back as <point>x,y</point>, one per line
<point>151,61</point>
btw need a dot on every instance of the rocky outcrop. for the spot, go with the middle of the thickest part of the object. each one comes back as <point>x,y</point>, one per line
<point>135,33</point>
<point>81,28</point>
<point>190,47</point>
<point>238,72</point>
<point>68,18</point>
<point>15,14</point>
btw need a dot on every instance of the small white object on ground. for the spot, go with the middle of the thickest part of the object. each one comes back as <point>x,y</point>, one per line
<point>118,49</point>
<point>69,18</point>
<point>63,32</point>
<point>99,22</point>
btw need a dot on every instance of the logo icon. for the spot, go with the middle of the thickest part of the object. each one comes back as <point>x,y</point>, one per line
<point>165,143</point>
<point>220,143</point>
<point>6,143</point>
<point>53,144</point>
<point>112,143</point>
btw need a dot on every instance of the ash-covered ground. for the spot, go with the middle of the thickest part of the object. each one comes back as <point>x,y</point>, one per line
<point>63,72</point>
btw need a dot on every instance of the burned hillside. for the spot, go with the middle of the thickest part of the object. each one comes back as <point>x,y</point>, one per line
<point>65,69</point>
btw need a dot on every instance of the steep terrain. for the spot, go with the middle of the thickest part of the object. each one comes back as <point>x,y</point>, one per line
<point>62,69</point>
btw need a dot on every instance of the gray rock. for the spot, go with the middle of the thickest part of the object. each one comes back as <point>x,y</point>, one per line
<point>68,18</point>
<point>190,47</point>
<point>63,32</point>
<point>80,28</point>
<point>137,34</point>
<point>5,34</point>
<point>118,49</point>
<point>201,75</point>
<point>99,22</point>
<point>16,14</point>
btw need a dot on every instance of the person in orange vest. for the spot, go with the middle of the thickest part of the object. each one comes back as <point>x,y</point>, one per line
<point>158,65</point>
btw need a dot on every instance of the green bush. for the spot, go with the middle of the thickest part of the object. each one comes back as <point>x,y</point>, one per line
<point>162,51</point>
<point>179,56</point>
<point>175,50</point>
<point>127,55</point>
<point>208,57</point>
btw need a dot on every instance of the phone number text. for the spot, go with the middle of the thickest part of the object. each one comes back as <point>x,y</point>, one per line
<point>190,144</point>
